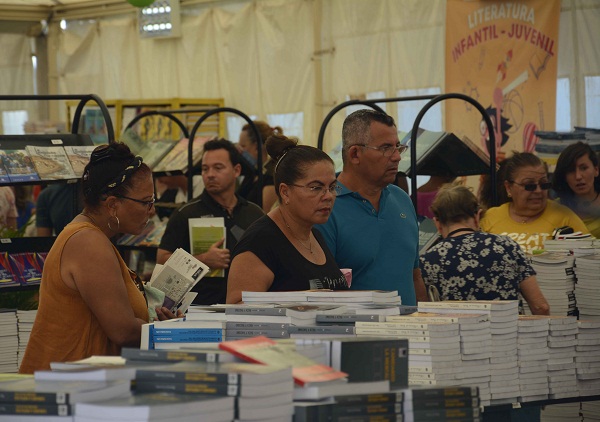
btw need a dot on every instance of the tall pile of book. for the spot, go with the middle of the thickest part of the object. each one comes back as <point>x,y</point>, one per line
<point>587,293</point>
<point>556,278</point>
<point>503,327</point>
<point>587,359</point>
<point>9,339</point>
<point>25,398</point>
<point>260,391</point>
<point>431,347</point>
<point>441,403</point>
<point>562,340</point>
<point>533,357</point>
<point>25,321</point>
<point>356,301</point>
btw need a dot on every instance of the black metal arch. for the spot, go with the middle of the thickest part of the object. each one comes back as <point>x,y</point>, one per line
<point>77,117</point>
<point>259,145</point>
<point>165,113</point>
<point>413,141</point>
<point>370,103</point>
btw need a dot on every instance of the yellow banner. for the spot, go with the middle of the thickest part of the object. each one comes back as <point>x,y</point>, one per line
<point>504,55</point>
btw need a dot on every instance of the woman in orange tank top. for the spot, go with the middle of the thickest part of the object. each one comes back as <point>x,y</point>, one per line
<point>90,302</point>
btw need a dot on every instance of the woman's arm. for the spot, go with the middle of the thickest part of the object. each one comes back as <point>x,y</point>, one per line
<point>534,296</point>
<point>89,265</point>
<point>247,273</point>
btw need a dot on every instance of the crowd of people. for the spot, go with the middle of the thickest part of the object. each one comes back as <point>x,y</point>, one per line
<point>313,226</point>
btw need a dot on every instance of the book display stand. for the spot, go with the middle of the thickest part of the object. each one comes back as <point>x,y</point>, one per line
<point>464,167</point>
<point>18,143</point>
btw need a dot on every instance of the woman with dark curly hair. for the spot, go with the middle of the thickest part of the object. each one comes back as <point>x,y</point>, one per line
<point>90,302</point>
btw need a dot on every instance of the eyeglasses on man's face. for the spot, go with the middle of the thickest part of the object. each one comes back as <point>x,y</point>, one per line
<point>387,150</point>
<point>139,201</point>
<point>531,187</point>
<point>319,190</point>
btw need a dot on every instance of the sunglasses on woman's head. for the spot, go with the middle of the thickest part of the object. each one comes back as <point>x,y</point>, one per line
<point>100,153</point>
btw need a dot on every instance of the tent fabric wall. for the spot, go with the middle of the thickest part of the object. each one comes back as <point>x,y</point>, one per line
<point>16,72</point>
<point>268,57</point>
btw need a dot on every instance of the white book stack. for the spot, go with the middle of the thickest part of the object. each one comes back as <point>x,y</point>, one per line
<point>473,368</point>
<point>587,357</point>
<point>561,412</point>
<point>356,301</point>
<point>431,348</point>
<point>9,341</point>
<point>562,340</point>
<point>556,278</point>
<point>300,313</point>
<point>532,349</point>
<point>503,327</point>
<point>25,324</point>
<point>587,289</point>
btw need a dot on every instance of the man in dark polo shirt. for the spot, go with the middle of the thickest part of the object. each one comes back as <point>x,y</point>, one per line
<point>220,169</point>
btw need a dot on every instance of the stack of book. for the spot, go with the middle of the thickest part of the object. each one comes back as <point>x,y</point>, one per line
<point>533,357</point>
<point>441,403</point>
<point>503,316</point>
<point>353,407</point>
<point>322,331</point>
<point>587,358</point>
<point>556,278</point>
<point>431,345</point>
<point>300,314</point>
<point>25,398</point>
<point>261,391</point>
<point>587,294</point>
<point>25,321</point>
<point>562,340</point>
<point>356,301</point>
<point>178,334</point>
<point>9,339</point>
<point>158,406</point>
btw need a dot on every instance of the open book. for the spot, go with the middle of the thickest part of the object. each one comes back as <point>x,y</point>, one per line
<point>177,277</point>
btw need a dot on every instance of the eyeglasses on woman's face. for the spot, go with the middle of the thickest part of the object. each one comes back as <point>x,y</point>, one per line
<point>319,190</point>
<point>148,204</point>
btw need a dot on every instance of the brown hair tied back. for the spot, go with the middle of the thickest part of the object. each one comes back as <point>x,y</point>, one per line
<point>454,203</point>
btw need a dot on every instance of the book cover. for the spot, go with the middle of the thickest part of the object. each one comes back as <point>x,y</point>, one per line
<point>19,166</point>
<point>3,173</point>
<point>372,359</point>
<point>26,265</point>
<point>266,351</point>
<point>159,406</point>
<point>154,151</point>
<point>177,277</point>
<point>79,157</point>
<point>176,159</point>
<point>37,409</point>
<point>217,373</point>
<point>67,392</point>
<point>51,163</point>
<point>8,275</point>
<point>207,355</point>
<point>204,232</point>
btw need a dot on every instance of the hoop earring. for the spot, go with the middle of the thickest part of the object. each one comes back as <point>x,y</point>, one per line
<point>118,224</point>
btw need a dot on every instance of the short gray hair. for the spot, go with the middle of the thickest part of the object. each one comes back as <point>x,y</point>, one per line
<point>357,127</point>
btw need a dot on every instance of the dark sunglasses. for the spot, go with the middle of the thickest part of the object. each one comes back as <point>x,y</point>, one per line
<point>531,187</point>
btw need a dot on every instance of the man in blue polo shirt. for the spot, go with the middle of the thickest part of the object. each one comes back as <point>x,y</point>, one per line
<point>373,228</point>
